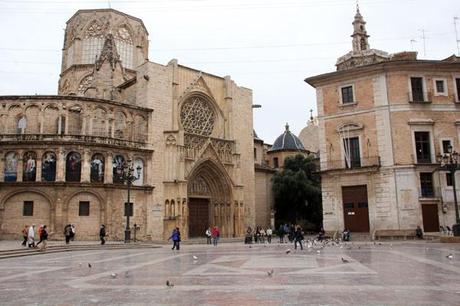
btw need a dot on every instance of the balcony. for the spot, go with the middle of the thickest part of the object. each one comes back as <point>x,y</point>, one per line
<point>77,139</point>
<point>363,163</point>
<point>420,97</point>
<point>429,193</point>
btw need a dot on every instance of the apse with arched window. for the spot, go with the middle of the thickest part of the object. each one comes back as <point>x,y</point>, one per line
<point>125,46</point>
<point>97,168</point>
<point>49,167</point>
<point>29,167</point>
<point>93,41</point>
<point>118,165</point>
<point>11,167</point>
<point>73,167</point>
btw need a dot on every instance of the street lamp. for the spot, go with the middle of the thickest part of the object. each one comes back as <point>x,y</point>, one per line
<point>129,177</point>
<point>449,163</point>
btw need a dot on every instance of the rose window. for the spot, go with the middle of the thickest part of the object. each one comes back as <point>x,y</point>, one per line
<point>197,116</point>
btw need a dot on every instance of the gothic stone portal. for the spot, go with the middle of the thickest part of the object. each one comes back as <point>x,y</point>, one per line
<point>210,198</point>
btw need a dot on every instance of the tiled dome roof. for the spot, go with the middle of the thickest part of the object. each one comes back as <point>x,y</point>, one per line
<point>287,141</point>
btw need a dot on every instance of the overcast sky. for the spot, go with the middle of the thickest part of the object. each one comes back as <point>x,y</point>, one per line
<point>270,46</point>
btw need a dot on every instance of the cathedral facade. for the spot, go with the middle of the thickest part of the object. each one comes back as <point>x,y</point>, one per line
<point>187,133</point>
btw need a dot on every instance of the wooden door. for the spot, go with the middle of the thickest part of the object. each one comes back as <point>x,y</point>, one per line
<point>198,218</point>
<point>430,217</point>
<point>355,208</point>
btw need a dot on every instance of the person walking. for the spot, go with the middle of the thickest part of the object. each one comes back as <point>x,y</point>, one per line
<point>25,232</point>
<point>175,237</point>
<point>298,237</point>
<point>208,236</point>
<point>102,234</point>
<point>281,233</point>
<point>43,238</point>
<point>215,235</point>
<point>30,236</point>
<point>67,233</point>
<point>269,235</point>
<point>72,232</point>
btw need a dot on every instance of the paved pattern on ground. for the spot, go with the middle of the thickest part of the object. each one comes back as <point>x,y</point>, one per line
<point>235,274</point>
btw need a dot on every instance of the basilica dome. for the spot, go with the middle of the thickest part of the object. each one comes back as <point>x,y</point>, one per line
<point>287,142</point>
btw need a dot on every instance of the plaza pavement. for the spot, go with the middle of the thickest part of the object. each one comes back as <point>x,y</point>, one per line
<point>390,273</point>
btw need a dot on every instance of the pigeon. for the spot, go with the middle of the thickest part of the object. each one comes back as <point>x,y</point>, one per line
<point>318,251</point>
<point>126,274</point>
<point>113,275</point>
<point>270,273</point>
<point>345,260</point>
<point>195,258</point>
<point>450,256</point>
<point>169,284</point>
<point>89,265</point>
<point>288,251</point>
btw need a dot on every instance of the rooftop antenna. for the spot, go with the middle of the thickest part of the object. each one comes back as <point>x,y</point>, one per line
<point>424,41</point>
<point>456,36</point>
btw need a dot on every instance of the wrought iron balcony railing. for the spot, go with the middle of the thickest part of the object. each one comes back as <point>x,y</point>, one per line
<point>363,162</point>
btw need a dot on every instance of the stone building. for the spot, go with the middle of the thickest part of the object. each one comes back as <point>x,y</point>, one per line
<point>383,119</point>
<point>189,133</point>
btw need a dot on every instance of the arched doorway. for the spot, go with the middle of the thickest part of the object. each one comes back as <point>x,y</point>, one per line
<point>209,200</point>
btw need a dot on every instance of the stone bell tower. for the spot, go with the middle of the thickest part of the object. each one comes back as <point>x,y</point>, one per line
<point>360,37</point>
<point>102,49</point>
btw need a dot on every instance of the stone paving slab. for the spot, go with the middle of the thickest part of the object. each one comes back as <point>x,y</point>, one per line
<point>415,273</point>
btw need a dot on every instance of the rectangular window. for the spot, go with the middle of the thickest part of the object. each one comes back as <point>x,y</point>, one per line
<point>352,154</point>
<point>446,146</point>
<point>128,209</point>
<point>417,89</point>
<point>422,146</point>
<point>449,181</point>
<point>83,208</point>
<point>275,162</point>
<point>28,208</point>
<point>440,86</point>
<point>347,94</point>
<point>426,184</point>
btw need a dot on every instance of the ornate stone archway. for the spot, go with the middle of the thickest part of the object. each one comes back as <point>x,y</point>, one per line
<point>209,189</point>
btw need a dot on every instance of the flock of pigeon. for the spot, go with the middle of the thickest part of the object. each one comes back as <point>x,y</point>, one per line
<point>310,245</point>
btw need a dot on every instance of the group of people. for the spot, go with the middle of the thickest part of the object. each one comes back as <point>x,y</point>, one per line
<point>28,234</point>
<point>212,235</point>
<point>258,235</point>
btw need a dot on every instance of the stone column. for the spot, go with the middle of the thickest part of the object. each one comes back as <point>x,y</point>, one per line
<point>38,167</point>
<point>85,167</point>
<point>60,165</point>
<point>108,171</point>
<point>20,169</point>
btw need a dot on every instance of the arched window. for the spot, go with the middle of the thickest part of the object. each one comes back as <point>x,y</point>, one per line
<point>99,122</point>
<point>21,125</point>
<point>50,125</point>
<point>73,167</point>
<point>125,47</point>
<point>93,42</point>
<point>75,120</point>
<point>118,166</point>
<point>120,126</point>
<point>139,163</point>
<point>33,117</point>
<point>60,122</point>
<point>97,168</point>
<point>29,167</point>
<point>49,167</point>
<point>11,167</point>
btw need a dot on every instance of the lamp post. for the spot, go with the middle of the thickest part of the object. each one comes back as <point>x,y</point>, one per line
<point>129,177</point>
<point>449,163</point>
